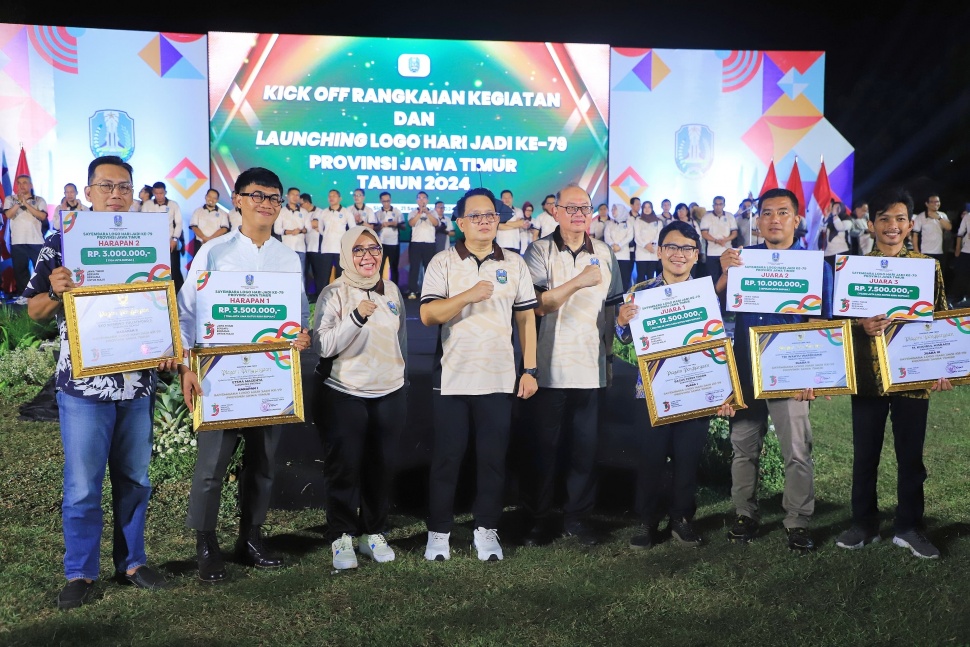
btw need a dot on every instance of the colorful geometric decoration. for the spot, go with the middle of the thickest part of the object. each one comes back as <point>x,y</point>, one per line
<point>738,68</point>
<point>163,57</point>
<point>629,184</point>
<point>56,45</point>
<point>186,177</point>
<point>645,75</point>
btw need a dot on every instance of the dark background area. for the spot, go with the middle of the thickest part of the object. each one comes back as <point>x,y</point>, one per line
<point>897,73</point>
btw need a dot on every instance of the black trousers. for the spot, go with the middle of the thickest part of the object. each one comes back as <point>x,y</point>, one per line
<point>908,418</point>
<point>565,424</point>
<point>626,269</point>
<point>321,273</point>
<point>683,442</point>
<point>176,260</point>
<point>456,417</point>
<point>360,441</point>
<point>21,256</point>
<point>647,270</point>
<point>960,285</point>
<point>392,255</point>
<point>420,255</point>
<point>255,480</point>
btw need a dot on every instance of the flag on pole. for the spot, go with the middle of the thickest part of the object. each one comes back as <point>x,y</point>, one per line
<point>794,185</point>
<point>771,180</point>
<point>22,168</point>
<point>5,180</point>
<point>818,207</point>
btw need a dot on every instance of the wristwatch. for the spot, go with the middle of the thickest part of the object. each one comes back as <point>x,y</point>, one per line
<point>534,372</point>
<point>53,295</point>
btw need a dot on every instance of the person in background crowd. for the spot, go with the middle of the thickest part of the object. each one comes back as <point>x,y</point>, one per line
<point>26,216</point>
<point>718,228</point>
<point>144,195</point>
<point>666,217</point>
<point>363,215</point>
<point>682,441</point>
<point>646,230</point>
<point>423,222</point>
<point>577,281</point>
<point>529,233</point>
<point>682,213</point>
<point>747,221</point>
<point>618,234</point>
<point>928,228</point>
<point>105,420</point>
<point>389,219</point>
<point>161,204</point>
<point>961,262</point>
<point>697,214</point>
<point>835,232</point>
<point>778,213</point>
<point>441,231</point>
<point>546,222</point>
<point>860,241</point>
<point>907,411</point>
<point>313,239</point>
<point>70,202</point>
<point>332,223</point>
<point>360,397</point>
<point>258,196</point>
<point>598,225</point>
<point>208,221</point>
<point>291,225</point>
<point>472,292</point>
<point>509,234</point>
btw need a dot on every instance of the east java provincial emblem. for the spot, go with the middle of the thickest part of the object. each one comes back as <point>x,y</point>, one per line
<point>112,132</point>
<point>501,276</point>
<point>694,149</point>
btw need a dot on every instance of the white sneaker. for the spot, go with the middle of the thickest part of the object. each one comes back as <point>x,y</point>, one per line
<point>343,553</point>
<point>375,547</point>
<point>438,549</point>
<point>486,543</point>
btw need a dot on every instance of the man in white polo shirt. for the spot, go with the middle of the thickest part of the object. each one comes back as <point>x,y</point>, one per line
<point>423,223</point>
<point>577,282</point>
<point>363,215</point>
<point>291,225</point>
<point>928,228</point>
<point>26,214</point>
<point>546,221</point>
<point>332,224</point>
<point>718,228</point>
<point>509,232</point>
<point>388,219</point>
<point>208,221</point>
<point>314,246</point>
<point>161,204</point>
<point>472,292</point>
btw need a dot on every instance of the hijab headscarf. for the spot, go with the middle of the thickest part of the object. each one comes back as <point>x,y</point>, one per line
<point>350,275</point>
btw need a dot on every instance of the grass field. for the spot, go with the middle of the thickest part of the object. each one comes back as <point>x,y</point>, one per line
<point>563,594</point>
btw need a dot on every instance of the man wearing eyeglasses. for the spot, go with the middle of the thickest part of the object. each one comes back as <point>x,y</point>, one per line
<point>577,281</point>
<point>26,214</point>
<point>777,219</point>
<point>421,249</point>
<point>161,204</point>
<point>472,291</point>
<point>258,196</point>
<point>104,420</point>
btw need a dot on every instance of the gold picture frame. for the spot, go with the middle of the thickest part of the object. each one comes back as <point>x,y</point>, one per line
<point>882,352</point>
<point>761,336</point>
<point>103,332</point>
<point>650,365</point>
<point>204,359</point>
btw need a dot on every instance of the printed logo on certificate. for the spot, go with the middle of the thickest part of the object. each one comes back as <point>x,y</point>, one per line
<point>900,288</point>
<point>674,316</point>
<point>783,281</point>
<point>109,248</point>
<point>247,307</point>
<point>786,359</point>
<point>915,355</point>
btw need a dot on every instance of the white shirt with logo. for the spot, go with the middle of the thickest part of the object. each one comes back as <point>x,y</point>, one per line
<point>25,229</point>
<point>718,227</point>
<point>511,238</point>
<point>422,231</point>
<point>388,235</point>
<point>333,223</point>
<point>292,219</point>
<point>931,233</point>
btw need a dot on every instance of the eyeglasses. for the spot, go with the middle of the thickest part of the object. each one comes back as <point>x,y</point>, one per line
<point>258,196</point>
<point>488,217</point>
<point>686,250</point>
<point>124,188</point>
<point>373,250</point>
<point>585,209</point>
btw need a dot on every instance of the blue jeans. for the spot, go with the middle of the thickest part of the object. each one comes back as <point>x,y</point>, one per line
<point>95,435</point>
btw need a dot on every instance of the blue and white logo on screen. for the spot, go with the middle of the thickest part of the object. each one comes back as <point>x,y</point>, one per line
<point>417,65</point>
<point>112,132</point>
<point>694,149</point>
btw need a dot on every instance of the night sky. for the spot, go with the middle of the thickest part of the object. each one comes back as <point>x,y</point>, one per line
<point>897,73</point>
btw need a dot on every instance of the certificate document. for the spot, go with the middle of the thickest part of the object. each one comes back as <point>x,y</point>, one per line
<point>673,316</point>
<point>771,280</point>
<point>247,307</point>
<point>789,358</point>
<point>900,288</point>
<point>118,328</point>
<point>247,386</point>
<point>690,382</point>
<point>915,355</point>
<point>106,247</point>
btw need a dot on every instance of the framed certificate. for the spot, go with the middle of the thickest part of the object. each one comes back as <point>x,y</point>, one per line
<point>247,385</point>
<point>673,316</point>
<point>690,382</point>
<point>786,281</point>
<point>900,288</point>
<point>106,248</point>
<point>118,328</point>
<point>915,355</point>
<point>789,358</point>
<point>247,307</point>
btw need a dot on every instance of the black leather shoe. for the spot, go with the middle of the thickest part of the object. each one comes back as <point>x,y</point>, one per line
<point>251,550</point>
<point>74,594</point>
<point>584,534</point>
<point>538,536</point>
<point>799,540</point>
<point>144,578</point>
<point>211,568</point>
<point>646,540</point>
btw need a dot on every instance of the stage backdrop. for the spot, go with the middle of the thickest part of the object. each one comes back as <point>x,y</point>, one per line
<point>70,94</point>
<point>407,115</point>
<point>691,124</point>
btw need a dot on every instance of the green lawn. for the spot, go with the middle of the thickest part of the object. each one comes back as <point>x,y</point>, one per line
<point>718,594</point>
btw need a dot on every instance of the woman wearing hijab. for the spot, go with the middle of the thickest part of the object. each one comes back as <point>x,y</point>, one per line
<point>646,229</point>
<point>360,401</point>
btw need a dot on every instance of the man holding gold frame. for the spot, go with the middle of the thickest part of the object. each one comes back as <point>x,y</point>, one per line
<point>106,421</point>
<point>778,209</point>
